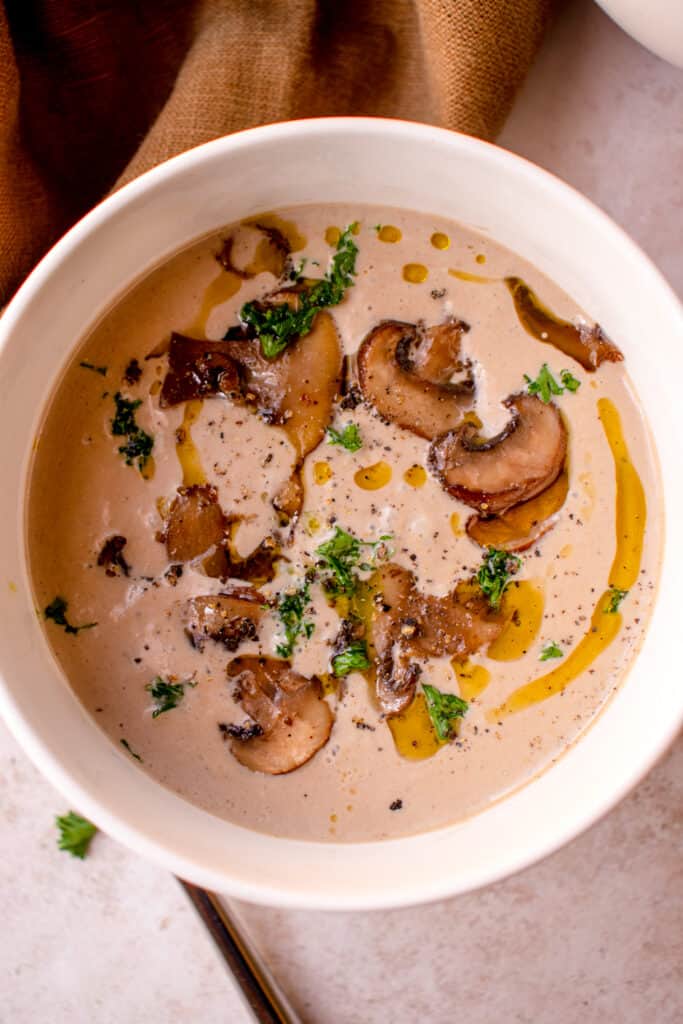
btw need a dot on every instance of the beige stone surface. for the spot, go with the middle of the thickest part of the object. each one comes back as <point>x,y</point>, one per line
<point>592,934</point>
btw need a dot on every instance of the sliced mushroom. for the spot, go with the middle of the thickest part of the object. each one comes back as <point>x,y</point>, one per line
<point>197,369</point>
<point>408,625</point>
<point>227,618</point>
<point>588,345</point>
<point>196,526</point>
<point>406,373</point>
<point>257,249</point>
<point>296,390</point>
<point>524,524</point>
<point>288,708</point>
<point>494,474</point>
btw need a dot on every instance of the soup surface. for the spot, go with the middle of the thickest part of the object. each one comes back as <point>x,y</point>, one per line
<point>372,562</point>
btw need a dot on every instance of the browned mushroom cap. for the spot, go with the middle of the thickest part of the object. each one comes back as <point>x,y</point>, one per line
<point>408,625</point>
<point>288,708</point>
<point>196,525</point>
<point>495,474</point>
<point>588,345</point>
<point>406,373</point>
<point>524,524</point>
<point>197,369</point>
<point>227,618</point>
<point>296,390</point>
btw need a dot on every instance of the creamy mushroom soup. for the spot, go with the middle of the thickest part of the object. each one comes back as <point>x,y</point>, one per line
<point>337,522</point>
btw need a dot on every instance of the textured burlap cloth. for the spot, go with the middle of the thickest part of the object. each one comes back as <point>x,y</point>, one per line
<point>93,92</point>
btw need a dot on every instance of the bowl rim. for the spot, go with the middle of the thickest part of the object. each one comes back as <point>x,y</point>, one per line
<point>143,841</point>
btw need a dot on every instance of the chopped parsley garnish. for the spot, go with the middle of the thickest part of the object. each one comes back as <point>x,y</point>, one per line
<point>551,650</point>
<point>348,438</point>
<point>291,609</point>
<point>126,744</point>
<point>340,557</point>
<point>102,370</point>
<point>545,385</point>
<point>75,834</point>
<point>353,658</point>
<point>57,610</point>
<point>494,575</point>
<point>444,710</point>
<point>166,695</point>
<point>615,598</point>
<point>276,326</point>
<point>139,444</point>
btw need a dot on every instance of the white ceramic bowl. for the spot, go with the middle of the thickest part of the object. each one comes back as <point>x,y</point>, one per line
<point>341,160</point>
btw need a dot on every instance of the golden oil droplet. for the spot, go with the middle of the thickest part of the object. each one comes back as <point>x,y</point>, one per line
<point>332,236</point>
<point>329,682</point>
<point>371,478</point>
<point>155,388</point>
<point>472,679</point>
<point>522,608</point>
<point>148,469</point>
<point>188,455</point>
<point>480,258</point>
<point>413,732</point>
<point>313,524</point>
<point>440,241</point>
<point>355,227</point>
<point>455,525</point>
<point>416,476</point>
<point>464,275</point>
<point>388,233</point>
<point>566,551</point>
<point>415,273</point>
<point>333,818</point>
<point>322,471</point>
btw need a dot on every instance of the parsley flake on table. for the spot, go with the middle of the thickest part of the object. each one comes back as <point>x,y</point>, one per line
<point>75,834</point>
<point>277,326</point>
<point>139,443</point>
<point>495,574</point>
<point>545,385</point>
<point>444,710</point>
<point>56,611</point>
<point>348,438</point>
<point>551,650</point>
<point>166,695</point>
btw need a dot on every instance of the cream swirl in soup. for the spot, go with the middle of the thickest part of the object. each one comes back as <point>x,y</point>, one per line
<point>344,522</point>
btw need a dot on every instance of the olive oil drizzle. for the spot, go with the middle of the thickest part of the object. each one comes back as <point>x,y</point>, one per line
<point>222,288</point>
<point>186,450</point>
<point>631,514</point>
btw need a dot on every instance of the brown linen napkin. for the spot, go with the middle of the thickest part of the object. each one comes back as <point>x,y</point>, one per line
<point>92,92</point>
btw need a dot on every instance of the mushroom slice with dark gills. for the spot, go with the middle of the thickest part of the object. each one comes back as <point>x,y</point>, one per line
<point>293,720</point>
<point>406,372</point>
<point>227,618</point>
<point>197,369</point>
<point>494,474</point>
<point>408,625</point>
<point>589,345</point>
<point>197,528</point>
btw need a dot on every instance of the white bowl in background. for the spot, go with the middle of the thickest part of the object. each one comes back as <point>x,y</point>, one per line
<point>336,160</point>
<point>656,24</point>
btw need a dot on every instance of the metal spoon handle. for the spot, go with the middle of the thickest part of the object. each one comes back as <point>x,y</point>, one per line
<point>258,988</point>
